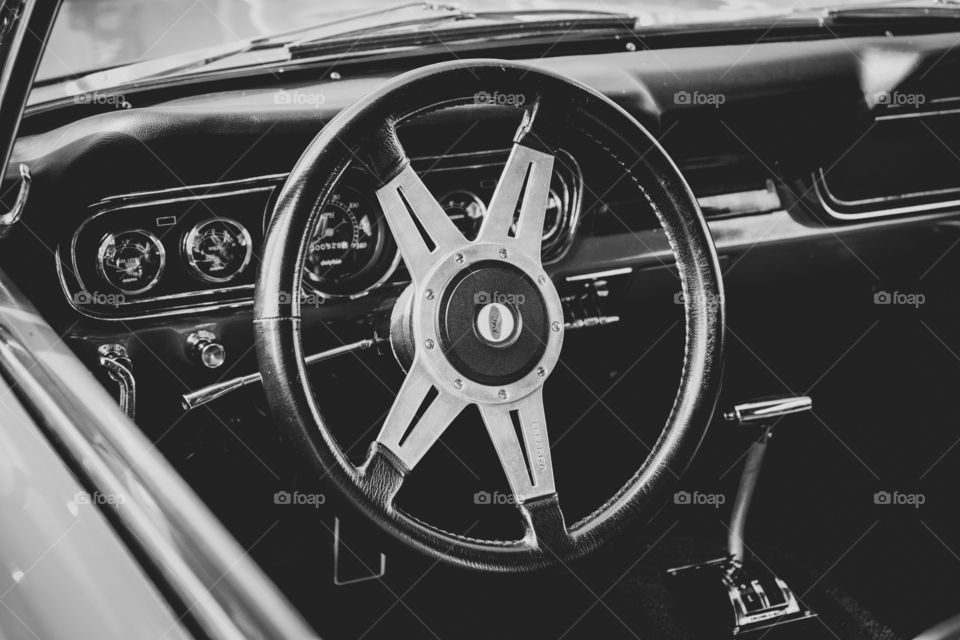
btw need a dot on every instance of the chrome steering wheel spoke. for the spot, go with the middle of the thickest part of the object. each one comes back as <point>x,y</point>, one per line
<point>420,414</point>
<point>519,434</point>
<point>421,227</point>
<point>524,186</point>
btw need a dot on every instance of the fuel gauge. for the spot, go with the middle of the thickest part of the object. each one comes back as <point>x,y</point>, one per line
<point>131,261</point>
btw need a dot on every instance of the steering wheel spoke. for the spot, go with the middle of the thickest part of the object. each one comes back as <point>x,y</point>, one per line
<point>519,203</point>
<point>519,434</point>
<point>421,227</point>
<point>419,416</point>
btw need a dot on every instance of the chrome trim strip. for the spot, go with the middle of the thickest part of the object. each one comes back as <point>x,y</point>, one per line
<point>820,188</point>
<point>599,274</point>
<point>134,195</point>
<point>823,190</point>
<point>202,564</point>
<point>917,114</point>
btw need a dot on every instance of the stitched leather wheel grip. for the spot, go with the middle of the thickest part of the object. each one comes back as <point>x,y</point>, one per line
<point>448,332</point>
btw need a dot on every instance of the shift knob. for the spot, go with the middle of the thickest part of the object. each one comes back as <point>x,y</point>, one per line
<point>766,410</point>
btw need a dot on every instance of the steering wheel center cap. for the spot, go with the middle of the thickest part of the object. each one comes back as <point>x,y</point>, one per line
<point>497,324</point>
<point>487,327</point>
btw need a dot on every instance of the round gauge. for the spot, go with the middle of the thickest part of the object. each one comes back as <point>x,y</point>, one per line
<point>217,250</point>
<point>131,261</point>
<point>466,210</point>
<point>553,218</point>
<point>348,251</point>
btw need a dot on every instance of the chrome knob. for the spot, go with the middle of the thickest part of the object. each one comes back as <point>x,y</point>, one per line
<point>204,348</point>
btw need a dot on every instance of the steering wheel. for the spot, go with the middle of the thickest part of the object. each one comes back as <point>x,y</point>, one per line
<point>481,322</point>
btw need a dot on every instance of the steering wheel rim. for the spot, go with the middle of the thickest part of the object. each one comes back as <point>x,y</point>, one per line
<point>366,133</point>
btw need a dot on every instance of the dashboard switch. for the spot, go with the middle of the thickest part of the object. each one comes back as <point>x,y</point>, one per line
<point>204,348</point>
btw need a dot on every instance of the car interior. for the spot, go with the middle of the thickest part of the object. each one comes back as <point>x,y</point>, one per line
<point>536,324</point>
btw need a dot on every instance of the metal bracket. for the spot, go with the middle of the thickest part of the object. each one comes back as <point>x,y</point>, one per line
<point>336,562</point>
<point>10,218</point>
<point>114,358</point>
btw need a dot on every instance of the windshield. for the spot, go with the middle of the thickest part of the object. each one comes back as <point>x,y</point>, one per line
<point>95,34</point>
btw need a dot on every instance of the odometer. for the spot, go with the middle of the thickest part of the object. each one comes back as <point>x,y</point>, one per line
<point>348,251</point>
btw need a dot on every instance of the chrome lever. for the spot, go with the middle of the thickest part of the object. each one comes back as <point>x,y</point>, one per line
<point>761,414</point>
<point>114,358</point>
<point>207,394</point>
<point>10,218</point>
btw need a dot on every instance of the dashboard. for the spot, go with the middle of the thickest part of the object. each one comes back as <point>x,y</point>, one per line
<point>154,217</point>
<point>197,247</point>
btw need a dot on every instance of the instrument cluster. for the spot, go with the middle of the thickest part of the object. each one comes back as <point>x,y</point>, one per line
<point>195,248</point>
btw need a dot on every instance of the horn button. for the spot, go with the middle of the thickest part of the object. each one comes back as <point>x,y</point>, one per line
<point>492,323</point>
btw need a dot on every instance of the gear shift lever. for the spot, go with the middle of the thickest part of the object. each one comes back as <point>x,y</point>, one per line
<point>762,416</point>
<point>758,598</point>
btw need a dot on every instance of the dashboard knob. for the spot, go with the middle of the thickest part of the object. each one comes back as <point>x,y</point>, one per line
<point>205,349</point>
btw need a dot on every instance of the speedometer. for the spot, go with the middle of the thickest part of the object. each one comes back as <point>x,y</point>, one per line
<point>349,250</point>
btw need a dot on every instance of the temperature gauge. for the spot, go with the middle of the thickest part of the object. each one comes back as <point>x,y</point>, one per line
<point>217,250</point>
<point>131,261</point>
<point>466,210</point>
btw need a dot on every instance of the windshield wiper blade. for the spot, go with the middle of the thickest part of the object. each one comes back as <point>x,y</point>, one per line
<point>375,19</point>
<point>158,67</point>
<point>923,12</point>
<point>463,27</point>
